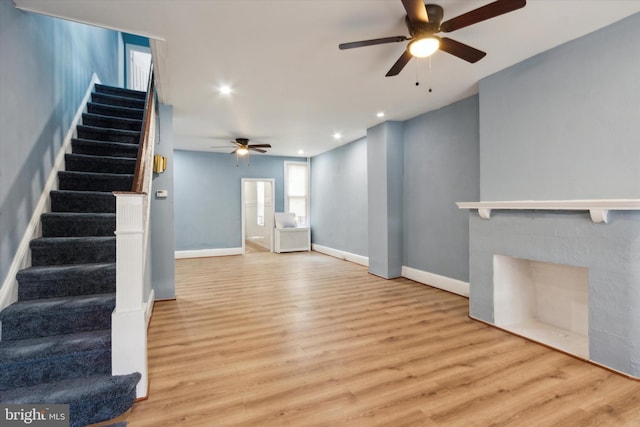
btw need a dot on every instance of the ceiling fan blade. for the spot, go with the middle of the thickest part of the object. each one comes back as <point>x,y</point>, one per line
<point>399,65</point>
<point>234,151</point>
<point>259,150</point>
<point>416,10</point>
<point>461,50</point>
<point>483,13</point>
<point>372,42</point>
<point>259,145</point>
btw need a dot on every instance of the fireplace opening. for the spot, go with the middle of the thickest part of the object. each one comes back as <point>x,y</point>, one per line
<point>542,301</point>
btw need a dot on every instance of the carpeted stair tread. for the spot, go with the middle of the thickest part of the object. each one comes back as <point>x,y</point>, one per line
<point>98,120</point>
<point>100,164</point>
<point>57,316</point>
<point>47,359</point>
<point>94,181</point>
<point>115,111</point>
<point>92,399</point>
<point>120,91</point>
<point>108,135</point>
<point>72,250</point>
<point>54,281</point>
<point>120,101</point>
<point>73,224</point>
<point>82,201</point>
<point>103,148</point>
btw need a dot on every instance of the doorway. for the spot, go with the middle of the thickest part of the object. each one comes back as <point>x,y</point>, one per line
<point>138,63</point>
<point>258,197</point>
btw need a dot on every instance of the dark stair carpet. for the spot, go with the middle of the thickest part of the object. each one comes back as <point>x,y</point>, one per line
<point>102,148</point>
<point>73,224</point>
<point>83,201</point>
<point>56,339</point>
<point>108,134</point>
<point>91,163</point>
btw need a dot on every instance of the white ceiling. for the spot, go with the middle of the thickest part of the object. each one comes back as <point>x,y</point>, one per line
<point>292,86</point>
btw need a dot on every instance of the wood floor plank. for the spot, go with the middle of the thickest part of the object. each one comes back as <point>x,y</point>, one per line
<point>303,339</point>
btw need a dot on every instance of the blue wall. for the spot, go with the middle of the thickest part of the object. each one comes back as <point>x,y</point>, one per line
<point>208,212</point>
<point>565,124</point>
<point>441,167</point>
<point>135,39</point>
<point>384,192</point>
<point>46,65</point>
<point>339,217</point>
<point>163,271</point>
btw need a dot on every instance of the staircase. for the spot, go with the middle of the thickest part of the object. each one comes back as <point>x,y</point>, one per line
<point>56,339</point>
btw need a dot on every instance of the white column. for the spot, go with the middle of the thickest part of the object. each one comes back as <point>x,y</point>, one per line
<point>129,326</point>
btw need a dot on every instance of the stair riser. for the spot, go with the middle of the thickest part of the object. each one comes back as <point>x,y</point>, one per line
<point>58,323</point>
<point>55,368</point>
<point>111,122</point>
<point>117,101</point>
<point>108,135</point>
<point>104,149</point>
<point>114,111</point>
<point>55,227</point>
<point>66,288</point>
<point>100,165</point>
<point>80,182</point>
<point>119,91</point>
<point>61,254</point>
<point>90,203</point>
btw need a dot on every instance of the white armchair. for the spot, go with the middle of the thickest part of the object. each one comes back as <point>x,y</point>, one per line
<point>289,237</point>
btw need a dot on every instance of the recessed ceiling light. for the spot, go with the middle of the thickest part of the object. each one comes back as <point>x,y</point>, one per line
<point>380,114</point>
<point>225,90</point>
<point>337,135</point>
<point>300,151</point>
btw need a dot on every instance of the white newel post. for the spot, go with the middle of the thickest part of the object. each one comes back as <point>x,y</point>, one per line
<point>129,326</point>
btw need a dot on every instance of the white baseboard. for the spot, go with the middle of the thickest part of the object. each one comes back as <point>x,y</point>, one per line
<point>22,257</point>
<point>203,253</point>
<point>347,256</point>
<point>148,310</point>
<point>435,280</point>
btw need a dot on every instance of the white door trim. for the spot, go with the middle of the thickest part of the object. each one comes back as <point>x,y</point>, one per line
<point>242,203</point>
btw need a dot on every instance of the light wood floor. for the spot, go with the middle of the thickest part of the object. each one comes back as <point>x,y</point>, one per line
<point>251,247</point>
<point>303,339</point>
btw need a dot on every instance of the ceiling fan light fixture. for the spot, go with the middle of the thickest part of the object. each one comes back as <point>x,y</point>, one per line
<point>425,46</point>
<point>242,151</point>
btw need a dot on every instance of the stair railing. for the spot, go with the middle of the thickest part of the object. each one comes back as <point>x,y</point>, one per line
<point>130,318</point>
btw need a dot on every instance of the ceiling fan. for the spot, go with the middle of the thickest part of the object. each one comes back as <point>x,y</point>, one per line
<point>243,147</point>
<point>424,21</point>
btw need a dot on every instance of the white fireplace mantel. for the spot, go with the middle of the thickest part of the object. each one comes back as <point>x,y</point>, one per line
<point>598,208</point>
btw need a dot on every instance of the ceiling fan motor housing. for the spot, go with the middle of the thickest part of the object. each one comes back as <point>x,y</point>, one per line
<point>435,13</point>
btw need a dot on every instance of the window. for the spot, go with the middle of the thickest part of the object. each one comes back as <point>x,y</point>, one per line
<point>260,203</point>
<point>296,190</point>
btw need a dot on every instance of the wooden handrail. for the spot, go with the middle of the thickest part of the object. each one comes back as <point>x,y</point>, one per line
<point>143,146</point>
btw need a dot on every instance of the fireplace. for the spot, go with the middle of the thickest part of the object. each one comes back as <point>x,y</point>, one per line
<point>546,302</point>
<point>562,274</point>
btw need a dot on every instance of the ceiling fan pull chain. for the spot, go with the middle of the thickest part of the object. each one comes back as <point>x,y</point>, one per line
<point>430,75</point>
<point>417,68</point>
